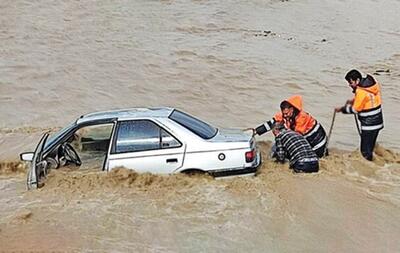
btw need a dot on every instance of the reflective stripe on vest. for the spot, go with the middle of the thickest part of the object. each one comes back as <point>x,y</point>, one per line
<point>370,128</point>
<point>320,144</point>
<point>349,109</point>
<point>306,160</point>
<point>370,113</point>
<point>314,130</point>
<point>268,125</point>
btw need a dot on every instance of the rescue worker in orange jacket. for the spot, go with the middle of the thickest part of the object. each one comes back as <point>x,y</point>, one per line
<point>367,104</point>
<point>295,118</point>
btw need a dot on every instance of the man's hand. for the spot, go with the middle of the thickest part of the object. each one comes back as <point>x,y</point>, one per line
<point>253,131</point>
<point>338,109</point>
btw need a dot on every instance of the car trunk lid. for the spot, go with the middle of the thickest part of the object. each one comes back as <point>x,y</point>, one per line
<point>232,135</point>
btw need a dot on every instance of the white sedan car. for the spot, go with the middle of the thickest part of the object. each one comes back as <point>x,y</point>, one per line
<point>156,140</point>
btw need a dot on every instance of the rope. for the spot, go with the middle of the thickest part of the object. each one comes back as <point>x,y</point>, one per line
<point>358,127</point>
<point>330,132</point>
<point>331,128</point>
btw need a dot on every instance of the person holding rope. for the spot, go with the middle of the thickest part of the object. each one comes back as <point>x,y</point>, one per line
<point>367,104</point>
<point>295,118</point>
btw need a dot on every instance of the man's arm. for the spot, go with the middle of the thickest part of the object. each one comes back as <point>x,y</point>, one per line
<point>267,126</point>
<point>355,105</point>
<point>347,108</point>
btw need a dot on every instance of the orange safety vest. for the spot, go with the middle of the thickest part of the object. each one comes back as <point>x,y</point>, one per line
<point>303,122</point>
<point>367,104</point>
<point>367,98</point>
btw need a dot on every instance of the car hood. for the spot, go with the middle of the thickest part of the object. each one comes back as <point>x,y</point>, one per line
<point>231,135</point>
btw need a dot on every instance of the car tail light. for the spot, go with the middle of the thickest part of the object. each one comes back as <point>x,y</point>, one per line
<point>250,156</point>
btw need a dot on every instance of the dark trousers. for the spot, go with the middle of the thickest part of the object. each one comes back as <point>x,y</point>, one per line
<point>321,151</point>
<point>307,167</point>
<point>368,140</point>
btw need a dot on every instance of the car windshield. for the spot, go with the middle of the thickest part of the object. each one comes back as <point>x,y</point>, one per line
<point>55,137</point>
<point>197,126</point>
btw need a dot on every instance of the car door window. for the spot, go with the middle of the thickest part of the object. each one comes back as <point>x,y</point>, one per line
<point>137,135</point>
<point>92,138</point>
<point>168,141</point>
<point>91,143</point>
<point>142,135</point>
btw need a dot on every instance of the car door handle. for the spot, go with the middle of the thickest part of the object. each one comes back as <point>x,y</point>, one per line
<point>172,160</point>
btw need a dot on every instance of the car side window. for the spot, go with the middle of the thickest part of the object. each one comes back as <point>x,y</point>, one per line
<point>168,141</point>
<point>92,138</point>
<point>142,135</point>
<point>91,143</point>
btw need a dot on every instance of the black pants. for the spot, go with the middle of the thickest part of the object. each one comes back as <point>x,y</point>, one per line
<point>368,140</point>
<point>307,167</point>
<point>321,151</point>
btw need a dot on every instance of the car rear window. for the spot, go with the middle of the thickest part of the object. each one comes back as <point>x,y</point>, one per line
<point>196,126</point>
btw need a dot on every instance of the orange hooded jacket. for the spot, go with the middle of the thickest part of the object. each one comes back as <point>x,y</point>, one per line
<point>303,121</point>
<point>367,98</point>
<point>367,104</point>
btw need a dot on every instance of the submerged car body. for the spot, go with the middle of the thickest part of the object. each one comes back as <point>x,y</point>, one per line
<point>156,140</point>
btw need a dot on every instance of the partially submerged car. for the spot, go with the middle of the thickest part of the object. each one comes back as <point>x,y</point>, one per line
<point>156,140</point>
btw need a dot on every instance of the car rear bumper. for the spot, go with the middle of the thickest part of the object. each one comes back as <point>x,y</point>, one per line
<point>244,171</point>
<point>233,172</point>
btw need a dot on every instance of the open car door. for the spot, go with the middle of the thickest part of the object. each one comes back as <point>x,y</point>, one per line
<point>37,169</point>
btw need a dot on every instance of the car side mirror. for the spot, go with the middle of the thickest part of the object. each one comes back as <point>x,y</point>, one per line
<point>27,157</point>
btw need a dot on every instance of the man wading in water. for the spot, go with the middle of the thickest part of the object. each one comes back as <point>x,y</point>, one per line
<point>367,105</point>
<point>293,146</point>
<point>295,118</point>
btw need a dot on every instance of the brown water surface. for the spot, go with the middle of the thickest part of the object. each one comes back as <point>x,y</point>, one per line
<point>351,204</point>
<point>229,63</point>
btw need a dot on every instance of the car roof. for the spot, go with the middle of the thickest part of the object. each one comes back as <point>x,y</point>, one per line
<point>129,113</point>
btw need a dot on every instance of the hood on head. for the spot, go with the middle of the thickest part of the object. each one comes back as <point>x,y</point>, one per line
<point>296,101</point>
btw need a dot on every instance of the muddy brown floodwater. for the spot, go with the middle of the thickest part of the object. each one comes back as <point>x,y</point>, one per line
<point>350,205</point>
<point>229,63</point>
